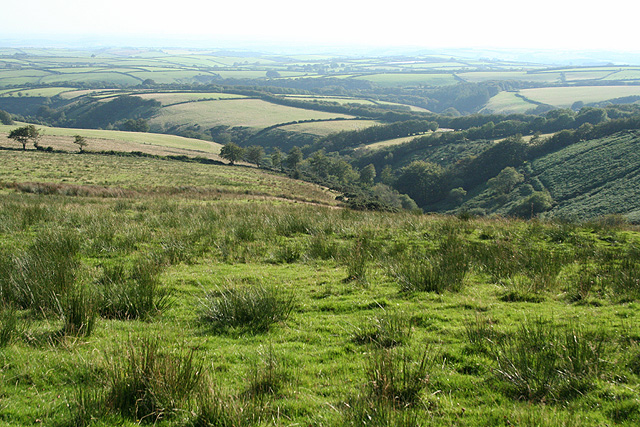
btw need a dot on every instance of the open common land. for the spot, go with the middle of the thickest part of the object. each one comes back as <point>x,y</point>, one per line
<point>173,304</point>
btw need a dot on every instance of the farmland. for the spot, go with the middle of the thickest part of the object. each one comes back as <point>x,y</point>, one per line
<point>144,282</point>
<point>105,140</point>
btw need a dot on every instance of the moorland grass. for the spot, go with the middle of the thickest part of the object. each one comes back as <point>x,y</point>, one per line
<point>344,353</point>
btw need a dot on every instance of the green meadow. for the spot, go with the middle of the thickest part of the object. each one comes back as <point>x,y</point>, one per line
<point>141,291</point>
<point>113,139</point>
<point>236,112</point>
<point>564,97</point>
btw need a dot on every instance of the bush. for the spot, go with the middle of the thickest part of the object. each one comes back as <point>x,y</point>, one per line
<point>253,309</point>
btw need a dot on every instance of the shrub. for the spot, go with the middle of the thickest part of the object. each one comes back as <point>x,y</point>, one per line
<point>253,308</point>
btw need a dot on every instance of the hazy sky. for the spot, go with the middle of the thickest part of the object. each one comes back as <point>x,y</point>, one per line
<point>464,23</point>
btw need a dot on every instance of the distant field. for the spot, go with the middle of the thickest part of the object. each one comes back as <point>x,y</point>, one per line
<point>325,128</point>
<point>483,76</point>
<point>506,103</point>
<point>412,79</point>
<point>565,96</point>
<point>625,75</point>
<point>112,139</point>
<point>78,93</point>
<point>173,98</point>
<point>332,99</point>
<point>110,77</point>
<point>241,112</point>
<point>42,92</point>
<point>388,143</point>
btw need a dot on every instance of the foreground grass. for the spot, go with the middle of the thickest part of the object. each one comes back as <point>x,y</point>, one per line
<point>536,325</point>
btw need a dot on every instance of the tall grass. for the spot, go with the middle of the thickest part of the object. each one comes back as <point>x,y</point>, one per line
<point>39,277</point>
<point>268,375</point>
<point>543,361</point>
<point>134,293</point>
<point>253,308</point>
<point>387,330</point>
<point>79,312</point>
<point>428,271</point>
<point>147,385</point>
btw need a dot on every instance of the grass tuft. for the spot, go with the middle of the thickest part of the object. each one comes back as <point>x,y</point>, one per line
<point>251,308</point>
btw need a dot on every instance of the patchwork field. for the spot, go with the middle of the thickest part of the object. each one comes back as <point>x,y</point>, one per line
<point>236,112</point>
<point>565,96</point>
<point>100,140</point>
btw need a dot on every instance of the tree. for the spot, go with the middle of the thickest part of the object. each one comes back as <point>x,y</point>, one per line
<point>294,158</point>
<point>25,134</point>
<point>232,152</point>
<point>276,159</point>
<point>273,74</point>
<point>422,181</point>
<point>254,154</point>
<point>138,125</point>
<point>368,174</point>
<point>5,118</point>
<point>81,141</point>
<point>506,180</point>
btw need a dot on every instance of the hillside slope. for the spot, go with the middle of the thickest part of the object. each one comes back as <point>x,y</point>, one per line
<point>584,180</point>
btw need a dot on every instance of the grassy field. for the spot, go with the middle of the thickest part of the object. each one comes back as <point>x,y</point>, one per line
<point>100,140</point>
<point>325,128</point>
<point>410,79</point>
<point>243,112</point>
<point>565,96</point>
<point>178,97</point>
<point>148,175</point>
<point>41,92</point>
<point>484,76</point>
<point>388,143</point>
<point>507,103</point>
<point>203,311</point>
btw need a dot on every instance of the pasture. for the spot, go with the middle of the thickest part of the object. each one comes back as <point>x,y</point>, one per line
<point>564,97</point>
<point>362,318</point>
<point>507,103</point>
<point>325,128</point>
<point>235,112</point>
<point>410,79</point>
<point>105,140</point>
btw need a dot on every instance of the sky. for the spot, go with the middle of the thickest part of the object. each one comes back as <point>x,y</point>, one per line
<point>508,24</point>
